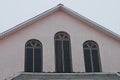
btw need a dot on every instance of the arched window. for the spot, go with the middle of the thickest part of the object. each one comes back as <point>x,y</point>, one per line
<point>33,56</point>
<point>63,53</point>
<point>91,57</point>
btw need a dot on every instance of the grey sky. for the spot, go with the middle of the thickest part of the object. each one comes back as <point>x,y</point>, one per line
<point>104,12</point>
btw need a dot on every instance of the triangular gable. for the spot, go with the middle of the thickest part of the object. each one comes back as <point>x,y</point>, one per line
<point>66,10</point>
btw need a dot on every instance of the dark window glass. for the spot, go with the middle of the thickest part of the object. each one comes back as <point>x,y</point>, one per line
<point>29,60</point>
<point>95,58</point>
<point>38,45</point>
<point>28,45</point>
<point>85,46</point>
<point>33,56</point>
<point>89,44</point>
<point>63,53</point>
<point>66,37</point>
<point>58,51</point>
<point>33,43</point>
<point>91,57</point>
<point>94,46</point>
<point>67,64</point>
<point>62,35</point>
<point>87,58</point>
<point>37,60</point>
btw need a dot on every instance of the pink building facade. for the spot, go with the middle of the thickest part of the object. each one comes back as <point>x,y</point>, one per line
<point>57,19</point>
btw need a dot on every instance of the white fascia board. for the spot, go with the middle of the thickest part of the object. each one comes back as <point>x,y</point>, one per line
<point>68,11</point>
<point>90,22</point>
<point>29,22</point>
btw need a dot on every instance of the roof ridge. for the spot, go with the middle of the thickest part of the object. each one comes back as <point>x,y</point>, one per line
<point>60,4</point>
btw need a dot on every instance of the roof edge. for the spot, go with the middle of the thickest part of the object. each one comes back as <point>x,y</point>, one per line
<point>68,11</point>
<point>30,21</point>
<point>91,23</point>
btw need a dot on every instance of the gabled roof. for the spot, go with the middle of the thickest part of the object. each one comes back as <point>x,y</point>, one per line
<point>66,10</point>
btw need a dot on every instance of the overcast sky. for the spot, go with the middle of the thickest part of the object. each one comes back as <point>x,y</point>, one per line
<point>104,12</point>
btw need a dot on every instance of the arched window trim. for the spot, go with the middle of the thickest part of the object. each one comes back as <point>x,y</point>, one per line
<point>66,36</point>
<point>32,44</point>
<point>41,46</point>
<point>97,48</point>
<point>69,47</point>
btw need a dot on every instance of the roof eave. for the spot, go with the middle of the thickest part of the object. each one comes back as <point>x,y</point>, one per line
<point>68,11</point>
<point>90,22</point>
<point>29,21</point>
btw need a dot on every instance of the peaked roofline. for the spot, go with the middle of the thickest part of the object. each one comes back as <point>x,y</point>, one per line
<point>66,10</point>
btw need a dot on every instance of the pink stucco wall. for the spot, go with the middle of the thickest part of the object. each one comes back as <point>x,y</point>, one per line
<point>12,48</point>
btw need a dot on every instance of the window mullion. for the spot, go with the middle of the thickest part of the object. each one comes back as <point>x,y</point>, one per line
<point>62,56</point>
<point>33,59</point>
<point>91,58</point>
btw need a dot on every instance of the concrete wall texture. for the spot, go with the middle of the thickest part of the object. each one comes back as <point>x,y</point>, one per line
<point>12,47</point>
